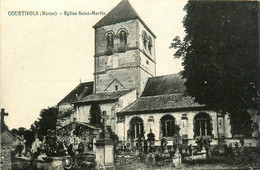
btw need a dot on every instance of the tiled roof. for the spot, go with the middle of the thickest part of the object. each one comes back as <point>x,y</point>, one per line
<point>122,12</point>
<point>104,96</point>
<point>161,103</point>
<point>167,84</point>
<point>82,90</point>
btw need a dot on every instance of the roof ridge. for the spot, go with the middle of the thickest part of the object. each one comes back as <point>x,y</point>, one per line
<point>166,75</point>
<point>174,94</point>
<point>114,91</point>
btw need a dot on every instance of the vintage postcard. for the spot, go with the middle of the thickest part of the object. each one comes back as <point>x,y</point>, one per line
<point>128,84</point>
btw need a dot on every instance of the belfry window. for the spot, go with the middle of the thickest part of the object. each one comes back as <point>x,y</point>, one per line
<point>150,44</point>
<point>123,40</point>
<point>110,42</point>
<point>202,125</point>
<point>144,38</point>
<point>168,126</point>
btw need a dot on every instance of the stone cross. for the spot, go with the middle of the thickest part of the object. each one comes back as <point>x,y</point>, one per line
<point>3,114</point>
<point>105,117</point>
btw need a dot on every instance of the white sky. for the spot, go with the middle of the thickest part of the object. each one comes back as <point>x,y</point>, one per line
<point>44,57</point>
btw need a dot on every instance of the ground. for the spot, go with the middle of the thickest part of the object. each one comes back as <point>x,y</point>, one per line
<point>215,163</point>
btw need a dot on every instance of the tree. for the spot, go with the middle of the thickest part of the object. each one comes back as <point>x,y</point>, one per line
<point>47,120</point>
<point>220,54</point>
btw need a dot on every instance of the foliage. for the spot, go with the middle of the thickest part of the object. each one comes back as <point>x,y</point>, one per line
<point>47,120</point>
<point>27,134</point>
<point>220,54</point>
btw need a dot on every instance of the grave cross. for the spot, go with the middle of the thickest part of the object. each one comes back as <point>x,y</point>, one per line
<point>3,114</point>
<point>105,117</point>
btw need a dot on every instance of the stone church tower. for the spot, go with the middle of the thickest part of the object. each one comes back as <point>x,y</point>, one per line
<point>124,51</point>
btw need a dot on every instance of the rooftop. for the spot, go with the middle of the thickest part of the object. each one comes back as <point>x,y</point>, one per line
<point>161,85</point>
<point>104,96</point>
<point>82,90</point>
<point>161,103</point>
<point>122,12</point>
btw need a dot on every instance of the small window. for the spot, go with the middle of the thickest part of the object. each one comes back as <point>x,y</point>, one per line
<point>184,116</point>
<point>147,62</point>
<point>116,87</point>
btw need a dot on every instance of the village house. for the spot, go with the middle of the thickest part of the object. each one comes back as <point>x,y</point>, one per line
<point>135,100</point>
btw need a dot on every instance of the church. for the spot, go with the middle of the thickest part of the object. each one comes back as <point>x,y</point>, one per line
<point>135,100</point>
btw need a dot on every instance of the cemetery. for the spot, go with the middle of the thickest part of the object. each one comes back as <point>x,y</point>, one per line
<point>81,146</point>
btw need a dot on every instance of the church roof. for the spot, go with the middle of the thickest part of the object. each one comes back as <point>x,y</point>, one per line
<point>82,90</point>
<point>104,96</point>
<point>161,85</point>
<point>162,103</point>
<point>163,93</point>
<point>122,12</point>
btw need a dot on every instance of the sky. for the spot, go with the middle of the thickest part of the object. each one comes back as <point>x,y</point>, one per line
<point>44,57</point>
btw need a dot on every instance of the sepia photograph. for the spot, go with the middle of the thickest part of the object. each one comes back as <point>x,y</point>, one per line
<point>129,84</point>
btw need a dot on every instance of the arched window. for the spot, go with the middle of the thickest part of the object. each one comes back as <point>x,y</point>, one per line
<point>123,40</point>
<point>95,114</point>
<point>144,38</point>
<point>110,42</point>
<point>136,127</point>
<point>202,123</point>
<point>168,126</point>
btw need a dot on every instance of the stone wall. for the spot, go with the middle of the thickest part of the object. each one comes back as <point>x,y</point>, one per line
<point>130,67</point>
<point>187,128</point>
<point>6,157</point>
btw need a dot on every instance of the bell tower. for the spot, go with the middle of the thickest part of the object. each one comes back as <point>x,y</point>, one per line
<point>124,51</point>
